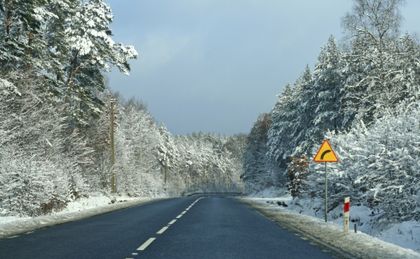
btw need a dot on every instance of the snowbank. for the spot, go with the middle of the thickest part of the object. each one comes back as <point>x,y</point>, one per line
<point>330,234</point>
<point>82,208</point>
<point>405,234</point>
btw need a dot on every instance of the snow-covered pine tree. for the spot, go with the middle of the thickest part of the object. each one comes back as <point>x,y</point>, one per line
<point>291,118</point>
<point>379,165</point>
<point>38,55</point>
<point>297,171</point>
<point>278,142</point>
<point>325,95</point>
<point>257,175</point>
<point>304,114</point>
<point>91,50</point>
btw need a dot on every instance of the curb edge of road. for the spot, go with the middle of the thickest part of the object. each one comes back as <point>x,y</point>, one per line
<point>336,251</point>
<point>37,222</point>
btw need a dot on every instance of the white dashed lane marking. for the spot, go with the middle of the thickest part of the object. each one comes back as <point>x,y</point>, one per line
<point>162,230</point>
<point>146,244</point>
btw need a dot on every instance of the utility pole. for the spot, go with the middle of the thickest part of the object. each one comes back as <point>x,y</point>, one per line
<point>112,143</point>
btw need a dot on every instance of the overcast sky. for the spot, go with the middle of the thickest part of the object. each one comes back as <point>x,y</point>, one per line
<point>215,65</point>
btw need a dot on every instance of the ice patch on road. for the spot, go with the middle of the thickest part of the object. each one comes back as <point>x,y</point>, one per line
<point>76,210</point>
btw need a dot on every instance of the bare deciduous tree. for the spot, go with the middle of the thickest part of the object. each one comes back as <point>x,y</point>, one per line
<point>378,20</point>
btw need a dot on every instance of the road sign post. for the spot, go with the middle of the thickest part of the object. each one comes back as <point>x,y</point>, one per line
<point>326,155</point>
<point>346,214</point>
<point>326,192</point>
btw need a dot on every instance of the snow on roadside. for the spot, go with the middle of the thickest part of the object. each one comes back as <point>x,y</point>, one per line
<point>331,234</point>
<point>76,210</point>
<point>405,234</point>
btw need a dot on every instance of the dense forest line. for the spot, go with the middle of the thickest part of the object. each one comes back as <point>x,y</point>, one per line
<point>55,107</point>
<point>365,97</point>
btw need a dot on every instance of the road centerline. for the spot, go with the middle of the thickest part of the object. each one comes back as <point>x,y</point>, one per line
<point>146,244</point>
<point>162,230</point>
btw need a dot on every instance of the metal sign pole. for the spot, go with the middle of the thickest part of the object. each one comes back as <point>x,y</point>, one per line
<point>325,155</point>
<point>326,193</point>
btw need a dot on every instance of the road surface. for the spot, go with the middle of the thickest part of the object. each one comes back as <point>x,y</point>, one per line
<point>190,227</point>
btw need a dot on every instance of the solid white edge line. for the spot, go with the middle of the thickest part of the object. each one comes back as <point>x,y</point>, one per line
<point>172,222</point>
<point>162,230</point>
<point>146,244</point>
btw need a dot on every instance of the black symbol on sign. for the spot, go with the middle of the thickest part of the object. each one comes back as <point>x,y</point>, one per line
<point>324,153</point>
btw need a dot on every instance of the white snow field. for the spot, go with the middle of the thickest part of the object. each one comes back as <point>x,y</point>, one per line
<point>76,210</point>
<point>300,218</point>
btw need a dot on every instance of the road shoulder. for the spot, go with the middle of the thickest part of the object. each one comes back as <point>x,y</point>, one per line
<point>24,225</point>
<point>351,245</point>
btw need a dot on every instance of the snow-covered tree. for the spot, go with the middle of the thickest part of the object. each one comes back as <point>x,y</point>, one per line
<point>257,173</point>
<point>43,161</point>
<point>327,91</point>
<point>297,172</point>
<point>91,51</point>
<point>378,20</point>
<point>381,163</point>
<point>52,56</point>
<point>291,118</point>
<point>137,140</point>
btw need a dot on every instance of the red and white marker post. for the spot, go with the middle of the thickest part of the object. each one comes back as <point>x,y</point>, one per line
<point>346,214</point>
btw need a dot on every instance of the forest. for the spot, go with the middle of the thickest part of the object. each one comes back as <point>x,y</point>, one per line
<point>363,95</point>
<point>56,110</point>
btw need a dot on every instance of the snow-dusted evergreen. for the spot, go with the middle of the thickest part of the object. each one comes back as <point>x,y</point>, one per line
<point>55,109</point>
<point>380,164</point>
<point>258,173</point>
<point>209,163</point>
<point>365,98</point>
<point>137,140</point>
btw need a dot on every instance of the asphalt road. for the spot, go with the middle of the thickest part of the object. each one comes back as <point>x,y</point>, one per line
<point>190,227</point>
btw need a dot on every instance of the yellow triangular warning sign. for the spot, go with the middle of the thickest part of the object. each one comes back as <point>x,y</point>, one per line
<point>325,153</point>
